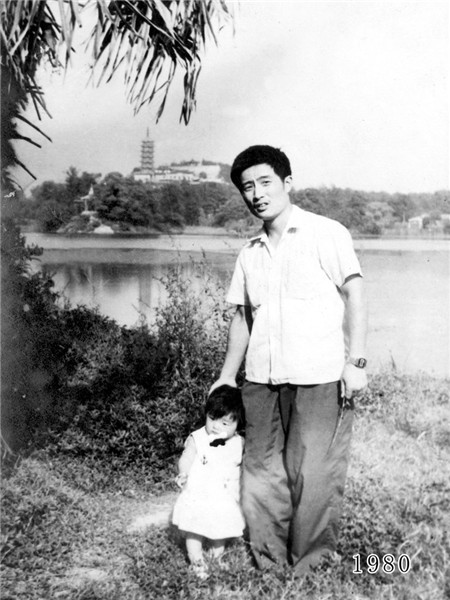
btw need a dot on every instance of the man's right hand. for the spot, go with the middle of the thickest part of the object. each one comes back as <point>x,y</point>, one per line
<point>238,337</point>
<point>222,381</point>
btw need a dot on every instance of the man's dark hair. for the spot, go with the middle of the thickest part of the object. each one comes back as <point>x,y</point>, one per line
<point>223,401</point>
<point>258,155</point>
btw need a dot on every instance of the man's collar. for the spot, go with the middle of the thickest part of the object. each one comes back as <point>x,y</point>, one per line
<point>294,222</point>
<point>295,218</point>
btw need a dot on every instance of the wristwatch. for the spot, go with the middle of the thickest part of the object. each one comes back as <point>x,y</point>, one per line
<point>358,362</point>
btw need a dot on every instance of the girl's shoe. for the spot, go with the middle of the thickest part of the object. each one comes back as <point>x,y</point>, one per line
<point>223,565</point>
<point>200,569</point>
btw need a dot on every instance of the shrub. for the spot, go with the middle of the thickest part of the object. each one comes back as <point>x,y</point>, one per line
<point>133,395</point>
<point>86,388</point>
<point>34,344</point>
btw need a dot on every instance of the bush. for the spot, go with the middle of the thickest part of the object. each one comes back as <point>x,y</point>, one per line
<point>77,383</point>
<point>34,342</point>
<point>132,396</point>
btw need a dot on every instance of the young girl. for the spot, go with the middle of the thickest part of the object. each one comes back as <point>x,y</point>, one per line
<point>209,475</point>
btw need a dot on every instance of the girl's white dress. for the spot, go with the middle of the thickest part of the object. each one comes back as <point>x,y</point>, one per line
<point>209,502</point>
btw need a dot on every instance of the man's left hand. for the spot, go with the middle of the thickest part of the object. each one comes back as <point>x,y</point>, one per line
<point>353,380</point>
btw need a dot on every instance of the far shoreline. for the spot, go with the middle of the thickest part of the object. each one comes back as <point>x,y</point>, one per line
<point>141,248</point>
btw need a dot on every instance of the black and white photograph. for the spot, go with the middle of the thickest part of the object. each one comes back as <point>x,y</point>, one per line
<point>225,299</point>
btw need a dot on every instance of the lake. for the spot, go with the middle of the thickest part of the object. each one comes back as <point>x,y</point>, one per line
<point>408,285</point>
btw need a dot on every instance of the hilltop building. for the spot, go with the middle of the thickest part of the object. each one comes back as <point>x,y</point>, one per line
<point>190,171</point>
<point>202,170</point>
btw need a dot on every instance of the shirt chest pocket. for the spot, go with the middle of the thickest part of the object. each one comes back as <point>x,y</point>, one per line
<point>303,277</point>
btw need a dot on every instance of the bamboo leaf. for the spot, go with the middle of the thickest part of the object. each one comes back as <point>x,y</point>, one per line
<point>151,22</point>
<point>68,22</point>
<point>18,136</point>
<point>18,11</point>
<point>165,13</point>
<point>62,12</point>
<point>76,10</point>
<point>20,163</point>
<point>28,122</point>
<point>20,38</point>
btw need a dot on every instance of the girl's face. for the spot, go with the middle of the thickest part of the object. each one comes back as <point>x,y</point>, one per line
<point>223,427</point>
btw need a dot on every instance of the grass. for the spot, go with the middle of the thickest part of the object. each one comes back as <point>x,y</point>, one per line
<point>65,541</point>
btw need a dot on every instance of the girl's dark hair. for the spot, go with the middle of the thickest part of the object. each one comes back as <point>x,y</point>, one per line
<point>258,155</point>
<point>225,400</point>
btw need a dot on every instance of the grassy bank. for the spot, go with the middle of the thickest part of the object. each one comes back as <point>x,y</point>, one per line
<point>66,540</point>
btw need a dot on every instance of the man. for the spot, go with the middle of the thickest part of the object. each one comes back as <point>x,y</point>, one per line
<point>295,284</point>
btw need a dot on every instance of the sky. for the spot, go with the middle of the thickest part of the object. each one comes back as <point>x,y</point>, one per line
<point>356,93</point>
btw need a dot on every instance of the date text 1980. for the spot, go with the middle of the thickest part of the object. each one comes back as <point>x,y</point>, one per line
<point>387,563</point>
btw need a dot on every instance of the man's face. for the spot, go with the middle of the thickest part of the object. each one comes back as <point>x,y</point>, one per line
<point>264,192</point>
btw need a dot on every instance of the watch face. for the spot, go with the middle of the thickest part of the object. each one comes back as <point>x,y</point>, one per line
<point>361,362</point>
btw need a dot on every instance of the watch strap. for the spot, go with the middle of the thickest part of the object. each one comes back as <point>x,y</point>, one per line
<point>358,362</point>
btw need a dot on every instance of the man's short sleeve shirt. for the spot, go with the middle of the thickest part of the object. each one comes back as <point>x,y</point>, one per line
<point>293,291</point>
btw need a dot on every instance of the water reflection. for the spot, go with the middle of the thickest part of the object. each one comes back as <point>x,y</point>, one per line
<point>125,292</point>
<point>408,292</point>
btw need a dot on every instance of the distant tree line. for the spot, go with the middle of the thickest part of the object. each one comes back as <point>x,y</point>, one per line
<point>129,205</point>
<point>373,213</point>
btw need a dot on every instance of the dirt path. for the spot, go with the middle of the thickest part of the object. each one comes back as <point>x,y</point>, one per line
<point>99,560</point>
<point>152,513</point>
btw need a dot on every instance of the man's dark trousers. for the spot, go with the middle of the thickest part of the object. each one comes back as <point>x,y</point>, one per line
<point>294,470</point>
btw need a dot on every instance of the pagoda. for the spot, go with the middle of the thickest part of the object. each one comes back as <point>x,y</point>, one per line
<point>147,169</point>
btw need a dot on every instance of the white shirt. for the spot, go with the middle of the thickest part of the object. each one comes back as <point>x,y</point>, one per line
<point>297,334</point>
